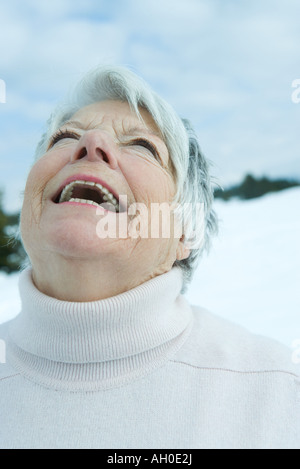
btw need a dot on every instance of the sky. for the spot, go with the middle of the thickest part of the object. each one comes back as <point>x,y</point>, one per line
<point>227,65</point>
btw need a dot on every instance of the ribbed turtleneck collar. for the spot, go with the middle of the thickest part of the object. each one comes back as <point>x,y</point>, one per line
<point>96,345</point>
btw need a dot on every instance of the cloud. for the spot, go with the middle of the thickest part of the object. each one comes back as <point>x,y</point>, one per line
<point>228,66</point>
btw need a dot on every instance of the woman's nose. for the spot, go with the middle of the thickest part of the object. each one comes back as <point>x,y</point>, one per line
<point>96,145</point>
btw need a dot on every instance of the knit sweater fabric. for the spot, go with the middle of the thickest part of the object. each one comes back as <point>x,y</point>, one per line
<point>143,369</point>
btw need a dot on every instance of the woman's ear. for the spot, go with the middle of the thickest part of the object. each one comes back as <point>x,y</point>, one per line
<point>182,252</point>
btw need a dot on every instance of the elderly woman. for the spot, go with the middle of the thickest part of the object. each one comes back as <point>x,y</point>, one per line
<point>107,352</point>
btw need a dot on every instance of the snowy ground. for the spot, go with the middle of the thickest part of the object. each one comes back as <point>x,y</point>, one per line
<point>251,276</point>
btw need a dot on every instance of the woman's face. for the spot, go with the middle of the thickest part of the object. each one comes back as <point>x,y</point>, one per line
<point>105,143</point>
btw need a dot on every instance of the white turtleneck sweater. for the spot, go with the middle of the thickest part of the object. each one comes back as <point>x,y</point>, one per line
<point>142,369</point>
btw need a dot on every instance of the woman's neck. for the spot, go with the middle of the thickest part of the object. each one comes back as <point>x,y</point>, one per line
<point>82,280</point>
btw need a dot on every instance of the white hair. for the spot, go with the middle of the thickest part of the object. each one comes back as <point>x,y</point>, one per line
<point>191,168</point>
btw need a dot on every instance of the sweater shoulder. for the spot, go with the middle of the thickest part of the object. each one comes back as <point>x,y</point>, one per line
<point>217,343</point>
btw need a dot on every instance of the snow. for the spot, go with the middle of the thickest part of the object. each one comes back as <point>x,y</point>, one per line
<point>251,275</point>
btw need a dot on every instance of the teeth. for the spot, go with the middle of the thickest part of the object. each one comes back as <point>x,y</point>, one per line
<point>91,202</point>
<point>83,201</point>
<point>66,195</point>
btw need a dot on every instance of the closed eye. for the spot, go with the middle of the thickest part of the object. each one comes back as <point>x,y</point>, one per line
<point>146,144</point>
<point>61,135</point>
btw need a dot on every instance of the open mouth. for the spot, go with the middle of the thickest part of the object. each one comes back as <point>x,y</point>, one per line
<point>88,192</point>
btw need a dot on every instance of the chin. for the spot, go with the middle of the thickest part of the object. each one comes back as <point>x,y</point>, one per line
<point>83,245</point>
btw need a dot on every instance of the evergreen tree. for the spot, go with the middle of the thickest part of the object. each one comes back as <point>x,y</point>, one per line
<point>251,188</point>
<point>12,253</point>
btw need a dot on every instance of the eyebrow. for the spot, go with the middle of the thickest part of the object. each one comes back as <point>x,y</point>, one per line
<point>76,124</point>
<point>142,130</point>
<point>131,131</point>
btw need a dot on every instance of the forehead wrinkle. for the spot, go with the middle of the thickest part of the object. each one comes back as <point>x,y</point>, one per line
<point>81,126</point>
<point>135,130</point>
<point>75,124</point>
<point>94,124</point>
<point>138,130</point>
<point>127,129</point>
